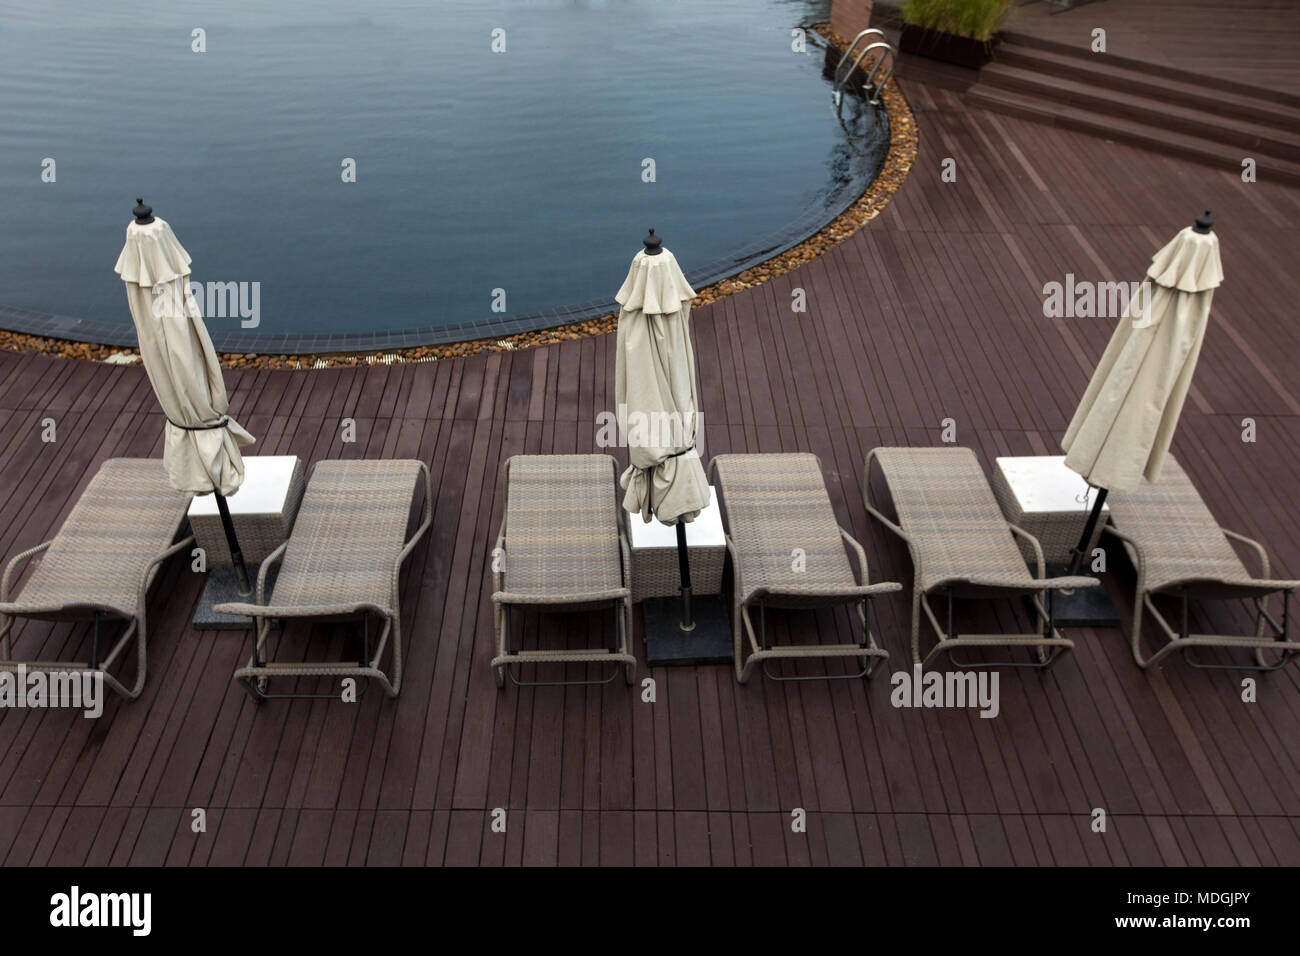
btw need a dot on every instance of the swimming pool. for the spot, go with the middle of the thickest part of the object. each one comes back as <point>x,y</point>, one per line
<point>508,158</point>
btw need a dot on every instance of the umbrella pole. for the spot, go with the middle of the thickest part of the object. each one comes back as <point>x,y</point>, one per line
<point>1081,548</point>
<point>684,568</point>
<point>236,555</point>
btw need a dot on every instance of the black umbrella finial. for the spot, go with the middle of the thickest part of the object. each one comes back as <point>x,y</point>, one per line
<point>653,244</point>
<point>143,213</point>
<point>1204,223</point>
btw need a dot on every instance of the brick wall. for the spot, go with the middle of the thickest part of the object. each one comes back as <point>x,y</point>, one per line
<point>850,17</point>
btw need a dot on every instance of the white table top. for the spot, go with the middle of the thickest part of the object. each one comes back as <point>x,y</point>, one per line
<point>265,487</point>
<point>704,532</point>
<point>1043,485</point>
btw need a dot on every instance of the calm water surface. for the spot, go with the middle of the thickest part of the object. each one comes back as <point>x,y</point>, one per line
<point>476,170</point>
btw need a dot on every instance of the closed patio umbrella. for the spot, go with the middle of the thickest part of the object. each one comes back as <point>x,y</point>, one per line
<point>201,447</point>
<point>655,392</point>
<point>1125,422</point>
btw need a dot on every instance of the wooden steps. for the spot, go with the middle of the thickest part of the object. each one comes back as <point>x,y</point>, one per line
<point>1216,122</point>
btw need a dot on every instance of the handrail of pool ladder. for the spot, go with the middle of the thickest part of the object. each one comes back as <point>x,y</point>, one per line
<point>872,85</point>
<point>888,54</point>
<point>870,31</point>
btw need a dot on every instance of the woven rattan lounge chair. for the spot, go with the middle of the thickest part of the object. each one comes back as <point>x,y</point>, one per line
<point>963,547</point>
<point>343,560</point>
<point>788,551</point>
<point>561,547</point>
<point>100,565</point>
<point>1180,550</point>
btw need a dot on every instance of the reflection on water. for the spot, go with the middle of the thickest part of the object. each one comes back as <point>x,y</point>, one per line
<point>512,177</point>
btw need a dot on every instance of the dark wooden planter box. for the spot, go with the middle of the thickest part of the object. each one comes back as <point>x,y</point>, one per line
<point>948,47</point>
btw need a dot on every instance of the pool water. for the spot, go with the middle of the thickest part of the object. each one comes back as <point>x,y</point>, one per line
<point>494,191</point>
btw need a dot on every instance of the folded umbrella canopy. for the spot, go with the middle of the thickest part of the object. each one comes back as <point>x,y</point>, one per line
<point>654,388</point>
<point>201,448</point>
<point>1122,428</point>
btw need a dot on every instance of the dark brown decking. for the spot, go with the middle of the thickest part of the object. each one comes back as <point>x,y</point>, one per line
<point>931,312</point>
<point>1251,42</point>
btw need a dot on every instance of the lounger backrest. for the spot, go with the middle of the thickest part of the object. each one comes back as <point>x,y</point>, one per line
<point>945,504</point>
<point>780,518</point>
<point>126,517</point>
<point>1176,532</point>
<point>562,525</point>
<point>352,521</point>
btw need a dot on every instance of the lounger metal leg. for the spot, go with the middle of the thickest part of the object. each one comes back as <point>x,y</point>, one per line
<point>1286,656</point>
<point>258,633</point>
<point>1046,659</point>
<point>94,643</point>
<point>762,630</point>
<point>1281,634</point>
<point>510,668</point>
<point>1046,656</point>
<point>257,684</point>
<point>618,629</point>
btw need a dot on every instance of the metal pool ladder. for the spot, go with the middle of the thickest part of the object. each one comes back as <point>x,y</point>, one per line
<point>884,61</point>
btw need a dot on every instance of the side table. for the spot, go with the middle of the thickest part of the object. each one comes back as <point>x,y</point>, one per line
<point>263,512</point>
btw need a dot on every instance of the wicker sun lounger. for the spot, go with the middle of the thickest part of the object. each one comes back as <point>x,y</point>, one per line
<point>788,551</point>
<point>100,565</point>
<point>1179,550</point>
<point>343,560</point>
<point>561,547</point>
<point>963,547</point>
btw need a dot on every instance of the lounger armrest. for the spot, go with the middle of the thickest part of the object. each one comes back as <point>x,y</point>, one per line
<point>17,559</point>
<point>1109,528</point>
<point>624,548</point>
<point>1018,585</point>
<point>582,597</point>
<point>879,516</point>
<point>862,556</point>
<point>1068,582</point>
<point>83,608</point>
<point>1258,548</point>
<point>736,576</point>
<point>626,553</point>
<point>499,577</point>
<point>245,610</point>
<point>1016,530</point>
<point>417,535</point>
<point>847,593</point>
<point>1257,587</point>
<point>428,516</point>
<point>294,610</point>
<point>267,563</point>
<point>1130,546</point>
<point>146,576</point>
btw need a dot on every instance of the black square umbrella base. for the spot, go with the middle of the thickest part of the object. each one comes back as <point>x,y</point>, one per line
<point>222,588</point>
<point>1082,607</point>
<point>666,644</point>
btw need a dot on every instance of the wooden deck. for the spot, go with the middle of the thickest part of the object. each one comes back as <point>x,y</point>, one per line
<point>932,312</point>
<point>1248,42</point>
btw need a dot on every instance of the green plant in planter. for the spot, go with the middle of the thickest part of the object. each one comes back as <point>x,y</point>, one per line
<point>976,19</point>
